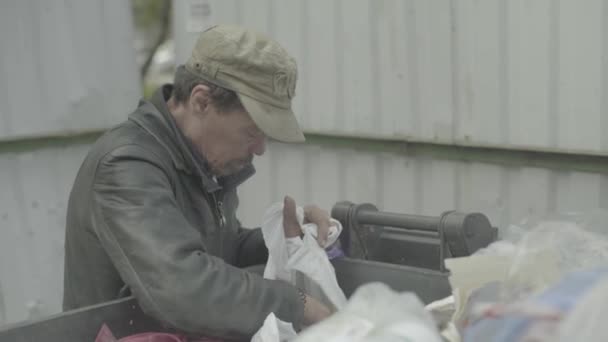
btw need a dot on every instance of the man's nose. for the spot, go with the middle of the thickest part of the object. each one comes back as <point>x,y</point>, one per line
<point>259,146</point>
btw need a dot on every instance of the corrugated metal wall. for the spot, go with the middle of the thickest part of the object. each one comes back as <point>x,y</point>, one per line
<point>517,73</point>
<point>416,184</point>
<point>65,67</point>
<point>33,202</point>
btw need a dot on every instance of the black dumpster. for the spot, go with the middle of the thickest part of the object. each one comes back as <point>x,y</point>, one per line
<point>124,317</point>
<point>406,252</point>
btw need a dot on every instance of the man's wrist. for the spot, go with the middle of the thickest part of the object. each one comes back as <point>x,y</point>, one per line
<point>302,295</point>
<point>300,323</point>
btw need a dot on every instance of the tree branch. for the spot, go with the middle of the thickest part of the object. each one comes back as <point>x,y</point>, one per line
<point>165,16</point>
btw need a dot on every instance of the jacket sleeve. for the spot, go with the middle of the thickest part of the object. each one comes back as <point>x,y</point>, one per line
<point>251,248</point>
<point>162,259</point>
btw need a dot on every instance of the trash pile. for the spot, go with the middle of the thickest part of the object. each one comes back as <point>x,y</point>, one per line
<point>546,280</point>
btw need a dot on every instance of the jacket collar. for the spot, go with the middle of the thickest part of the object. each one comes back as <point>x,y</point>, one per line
<point>154,116</point>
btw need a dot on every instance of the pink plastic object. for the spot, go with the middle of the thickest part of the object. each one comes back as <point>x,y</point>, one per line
<point>105,335</point>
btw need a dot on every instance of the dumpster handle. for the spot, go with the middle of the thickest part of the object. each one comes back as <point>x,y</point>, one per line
<point>357,217</point>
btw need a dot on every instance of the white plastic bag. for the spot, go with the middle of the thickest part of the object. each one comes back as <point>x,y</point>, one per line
<point>287,257</point>
<point>376,313</point>
<point>274,330</point>
<point>587,320</point>
<point>532,258</point>
<point>301,262</point>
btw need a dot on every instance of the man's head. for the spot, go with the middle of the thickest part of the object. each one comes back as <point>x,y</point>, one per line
<point>233,92</point>
<point>216,123</point>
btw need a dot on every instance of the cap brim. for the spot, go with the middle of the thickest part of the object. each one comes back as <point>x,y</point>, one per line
<point>277,123</point>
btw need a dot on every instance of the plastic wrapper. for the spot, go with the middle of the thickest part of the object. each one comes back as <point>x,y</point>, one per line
<point>301,262</point>
<point>560,247</point>
<point>587,320</point>
<point>538,317</point>
<point>376,313</point>
<point>508,280</point>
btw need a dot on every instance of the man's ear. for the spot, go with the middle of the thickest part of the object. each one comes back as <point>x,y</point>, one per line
<point>199,98</point>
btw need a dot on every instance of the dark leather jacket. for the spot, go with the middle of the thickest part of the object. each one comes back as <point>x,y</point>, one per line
<point>144,212</point>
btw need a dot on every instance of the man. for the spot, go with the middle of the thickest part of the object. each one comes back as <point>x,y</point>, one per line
<point>152,209</point>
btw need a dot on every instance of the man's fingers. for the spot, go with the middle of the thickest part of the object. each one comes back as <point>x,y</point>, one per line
<point>291,226</point>
<point>321,218</point>
<point>312,214</point>
<point>323,232</point>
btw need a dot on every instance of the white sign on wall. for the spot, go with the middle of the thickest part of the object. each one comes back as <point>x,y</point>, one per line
<point>200,16</point>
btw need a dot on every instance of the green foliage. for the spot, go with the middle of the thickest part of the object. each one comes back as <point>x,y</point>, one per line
<point>149,89</point>
<point>147,13</point>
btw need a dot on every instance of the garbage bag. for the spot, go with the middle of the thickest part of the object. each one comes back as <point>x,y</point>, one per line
<point>531,258</point>
<point>537,318</point>
<point>376,313</point>
<point>301,262</point>
<point>587,320</point>
<point>274,330</point>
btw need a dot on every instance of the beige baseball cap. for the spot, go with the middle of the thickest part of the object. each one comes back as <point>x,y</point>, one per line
<point>258,69</point>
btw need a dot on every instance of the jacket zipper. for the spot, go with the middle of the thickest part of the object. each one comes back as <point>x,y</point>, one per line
<point>220,210</point>
<point>221,218</point>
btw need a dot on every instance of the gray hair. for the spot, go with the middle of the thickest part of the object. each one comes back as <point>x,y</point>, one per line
<point>223,99</point>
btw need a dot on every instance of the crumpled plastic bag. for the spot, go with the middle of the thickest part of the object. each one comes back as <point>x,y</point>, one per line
<point>587,320</point>
<point>280,263</point>
<point>376,313</point>
<point>274,329</point>
<point>566,247</point>
<point>537,318</point>
<point>442,310</point>
<point>530,259</point>
<point>301,262</point>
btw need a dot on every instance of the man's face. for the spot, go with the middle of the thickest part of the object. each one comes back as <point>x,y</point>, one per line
<point>232,139</point>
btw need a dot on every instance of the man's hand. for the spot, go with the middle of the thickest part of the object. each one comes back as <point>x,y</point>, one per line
<point>291,227</point>
<point>314,311</point>
<point>320,217</point>
<point>312,214</point>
